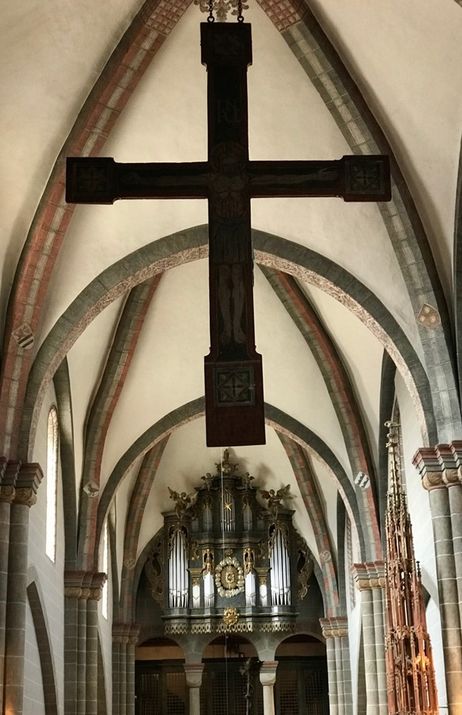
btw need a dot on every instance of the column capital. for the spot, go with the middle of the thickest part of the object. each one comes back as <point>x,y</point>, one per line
<point>134,634</point>
<point>335,627</point>
<point>439,466</point>
<point>27,483</point>
<point>193,672</point>
<point>121,632</point>
<point>96,584</point>
<point>370,574</point>
<point>8,474</point>
<point>83,584</point>
<point>268,672</point>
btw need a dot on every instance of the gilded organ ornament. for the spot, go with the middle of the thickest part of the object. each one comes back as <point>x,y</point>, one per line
<point>229,577</point>
<point>230,617</point>
<point>232,543</point>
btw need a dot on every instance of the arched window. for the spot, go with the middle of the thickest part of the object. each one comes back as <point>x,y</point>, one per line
<point>104,567</point>
<point>52,479</point>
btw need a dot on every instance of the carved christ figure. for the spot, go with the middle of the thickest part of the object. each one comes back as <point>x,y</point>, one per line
<point>233,368</point>
<point>230,237</point>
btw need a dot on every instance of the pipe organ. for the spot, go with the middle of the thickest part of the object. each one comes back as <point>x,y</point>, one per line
<point>234,559</point>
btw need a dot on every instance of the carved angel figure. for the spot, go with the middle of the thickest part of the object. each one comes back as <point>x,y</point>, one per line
<point>207,479</point>
<point>182,501</point>
<point>274,498</point>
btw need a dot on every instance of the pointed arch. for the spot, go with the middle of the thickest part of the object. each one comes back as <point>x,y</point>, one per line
<point>191,244</point>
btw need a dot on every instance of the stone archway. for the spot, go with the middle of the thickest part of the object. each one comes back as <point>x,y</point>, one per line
<point>230,681</point>
<point>301,677</point>
<point>160,680</point>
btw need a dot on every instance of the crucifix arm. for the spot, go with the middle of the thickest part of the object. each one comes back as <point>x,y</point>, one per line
<point>103,180</point>
<point>355,178</point>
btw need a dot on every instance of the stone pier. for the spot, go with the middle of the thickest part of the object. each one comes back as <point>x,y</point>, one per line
<point>335,631</point>
<point>25,496</point>
<point>440,469</point>
<point>370,580</point>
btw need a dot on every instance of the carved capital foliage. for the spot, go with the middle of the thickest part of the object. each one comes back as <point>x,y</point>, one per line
<point>370,574</point>
<point>8,474</point>
<point>335,627</point>
<point>121,633</point>
<point>97,582</point>
<point>83,584</point>
<point>27,483</point>
<point>73,581</point>
<point>440,466</point>
<point>7,493</point>
<point>134,634</point>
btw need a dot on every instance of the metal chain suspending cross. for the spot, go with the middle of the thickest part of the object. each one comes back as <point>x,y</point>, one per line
<point>219,9</point>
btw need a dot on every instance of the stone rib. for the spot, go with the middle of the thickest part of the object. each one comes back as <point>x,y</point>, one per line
<point>139,497</point>
<point>189,245</point>
<point>105,401</point>
<point>281,422</point>
<point>342,97</point>
<point>61,381</point>
<point>341,393</point>
<point>307,485</point>
<point>108,97</point>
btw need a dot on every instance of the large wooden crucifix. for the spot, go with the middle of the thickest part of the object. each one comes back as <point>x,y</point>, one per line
<point>233,368</point>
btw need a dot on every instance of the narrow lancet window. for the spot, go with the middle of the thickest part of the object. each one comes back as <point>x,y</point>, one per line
<point>104,568</point>
<point>52,479</point>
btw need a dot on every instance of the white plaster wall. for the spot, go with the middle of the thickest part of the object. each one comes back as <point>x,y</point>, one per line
<point>354,616</point>
<point>86,361</point>
<point>361,354</point>
<point>34,703</point>
<point>354,635</point>
<point>49,575</point>
<point>121,506</point>
<point>50,56</point>
<point>434,631</point>
<point>411,72</point>
<point>167,368</point>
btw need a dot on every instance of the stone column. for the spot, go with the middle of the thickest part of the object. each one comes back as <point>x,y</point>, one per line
<point>96,581</point>
<point>193,673</point>
<point>268,679</point>
<point>82,646</point>
<point>72,594</point>
<point>370,579</point>
<point>440,469</point>
<point>27,483</point>
<point>131,651</point>
<point>123,674</point>
<point>346,666</point>
<point>8,475</point>
<point>120,641</point>
<point>335,631</point>
<point>331,666</point>
<point>378,607</point>
<point>115,673</point>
